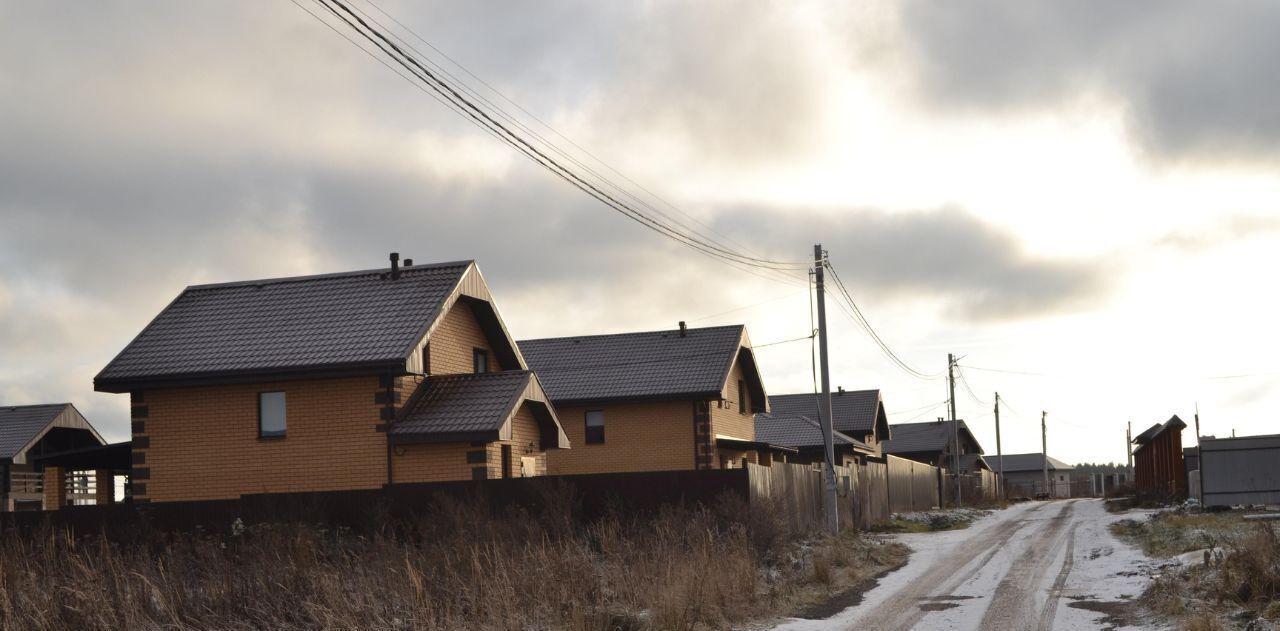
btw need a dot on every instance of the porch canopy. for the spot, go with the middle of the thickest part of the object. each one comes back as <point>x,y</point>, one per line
<point>113,457</point>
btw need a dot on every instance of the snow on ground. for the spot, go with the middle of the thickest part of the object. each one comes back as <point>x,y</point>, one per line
<point>1038,565</point>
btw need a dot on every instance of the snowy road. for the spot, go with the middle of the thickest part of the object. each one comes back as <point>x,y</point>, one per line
<point>1036,566</point>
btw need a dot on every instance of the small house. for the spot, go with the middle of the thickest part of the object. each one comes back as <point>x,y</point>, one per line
<point>28,432</point>
<point>1022,475</point>
<point>654,400</point>
<point>933,443</point>
<point>344,381</point>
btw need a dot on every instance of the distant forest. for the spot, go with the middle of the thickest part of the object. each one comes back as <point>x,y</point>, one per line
<point>1086,467</point>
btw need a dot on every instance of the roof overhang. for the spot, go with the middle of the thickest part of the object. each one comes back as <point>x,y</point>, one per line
<point>752,445</point>
<point>116,456</point>
<point>259,375</point>
<point>532,396</point>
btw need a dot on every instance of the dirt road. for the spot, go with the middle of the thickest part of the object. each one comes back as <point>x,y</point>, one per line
<point>1037,566</point>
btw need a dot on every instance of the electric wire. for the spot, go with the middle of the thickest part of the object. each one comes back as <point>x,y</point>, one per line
<point>480,117</point>
<point>851,309</point>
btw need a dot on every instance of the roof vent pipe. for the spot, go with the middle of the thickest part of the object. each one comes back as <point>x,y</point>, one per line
<point>395,265</point>
<point>684,330</point>
<point>840,391</point>
<point>408,262</point>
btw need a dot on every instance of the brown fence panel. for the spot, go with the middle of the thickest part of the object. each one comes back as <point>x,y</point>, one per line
<point>912,486</point>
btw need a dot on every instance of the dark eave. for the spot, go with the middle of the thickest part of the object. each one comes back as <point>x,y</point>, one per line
<point>647,398</point>
<point>257,375</point>
<point>444,437</point>
<point>752,445</point>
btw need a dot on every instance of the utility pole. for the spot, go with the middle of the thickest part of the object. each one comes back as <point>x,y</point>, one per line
<point>1044,445</point>
<point>955,426</point>
<point>999,453</point>
<point>1128,450</point>
<point>1199,457</point>
<point>829,504</point>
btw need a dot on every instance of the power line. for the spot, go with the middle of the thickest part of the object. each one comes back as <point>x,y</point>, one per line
<point>795,339</point>
<point>965,383</point>
<point>480,117</point>
<point>750,306</point>
<point>553,130</point>
<point>861,320</point>
<point>934,407</point>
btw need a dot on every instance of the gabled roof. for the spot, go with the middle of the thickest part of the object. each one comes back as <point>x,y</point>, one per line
<point>973,462</point>
<point>475,407</point>
<point>653,365</point>
<point>858,412</point>
<point>22,426</point>
<point>306,326</point>
<point>1027,462</point>
<point>932,436</point>
<point>1174,423</point>
<point>798,431</point>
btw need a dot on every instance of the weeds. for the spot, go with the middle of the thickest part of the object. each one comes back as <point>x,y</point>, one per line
<point>462,568</point>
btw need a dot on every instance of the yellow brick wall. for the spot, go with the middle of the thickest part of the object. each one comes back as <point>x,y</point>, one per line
<point>448,461</point>
<point>725,418</point>
<point>454,340</point>
<point>204,441</point>
<point>637,437</point>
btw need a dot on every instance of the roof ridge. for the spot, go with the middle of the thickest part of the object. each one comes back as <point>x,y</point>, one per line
<point>653,332</point>
<point>34,405</point>
<point>307,277</point>
<point>834,394</point>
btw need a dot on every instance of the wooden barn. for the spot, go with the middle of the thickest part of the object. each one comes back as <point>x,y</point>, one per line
<point>1157,459</point>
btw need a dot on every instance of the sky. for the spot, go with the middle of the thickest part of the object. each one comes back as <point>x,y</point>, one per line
<point>1080,199</point>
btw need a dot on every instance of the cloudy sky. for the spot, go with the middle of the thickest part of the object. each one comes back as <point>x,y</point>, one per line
<point>1081,194</point>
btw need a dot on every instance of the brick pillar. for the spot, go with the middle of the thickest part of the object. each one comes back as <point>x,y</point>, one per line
<point>104,489</point>
<point>55,488</point>
<point>703,449</point>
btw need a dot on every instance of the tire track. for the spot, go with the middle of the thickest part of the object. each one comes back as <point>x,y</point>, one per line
<point>902,610</point>
<point>1012,607</point>
<point>1055,594</point>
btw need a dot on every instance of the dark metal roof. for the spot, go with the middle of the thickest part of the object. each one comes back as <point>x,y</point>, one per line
<point>116,456</point>
<point>354,321</point>
<point>855,412</point>
<point>23,425</point>
<point>1174,423</point>
<point>931,436</point>
<point>798,431</point>
<point>651,365</point>
<point>1027,462</point>
<point>479,406</point>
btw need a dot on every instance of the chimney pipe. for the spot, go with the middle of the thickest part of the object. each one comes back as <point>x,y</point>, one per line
<point>395,265</point>
<point>684,330</point>
<point>840,391</point>
<point>408,262</point>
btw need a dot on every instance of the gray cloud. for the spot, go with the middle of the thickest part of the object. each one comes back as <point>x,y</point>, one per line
<point>980,272</point>
<point>1196,79</point>
<point>1229,229</point>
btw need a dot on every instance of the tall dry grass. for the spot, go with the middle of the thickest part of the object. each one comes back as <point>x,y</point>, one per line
<point>464,567</point>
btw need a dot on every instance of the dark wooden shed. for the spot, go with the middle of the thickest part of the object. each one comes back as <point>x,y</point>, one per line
<point>1157,459</point>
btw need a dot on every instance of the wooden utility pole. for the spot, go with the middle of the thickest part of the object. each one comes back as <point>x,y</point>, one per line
<point>829,505</point>
<point>1128,450</point>
<point>1044,445</point>
<point>999,453</point>
<point>1199,456</point>
<point>955,427</point>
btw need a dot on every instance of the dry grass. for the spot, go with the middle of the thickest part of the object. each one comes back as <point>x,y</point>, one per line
<point>1242,587</point>
<point>464,568</point>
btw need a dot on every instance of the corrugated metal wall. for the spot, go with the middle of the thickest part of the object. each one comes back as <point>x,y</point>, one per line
<point>1240,470</point>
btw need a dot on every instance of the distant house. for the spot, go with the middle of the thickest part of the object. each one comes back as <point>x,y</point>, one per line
<point>803,436</point>
<point>1157,460</point>
<point>1242,470</point>
<point>1023,475</point>
<point>934,443</point>
<point>28,432</point>
<point>339,381</point>
<point>858,414</point>
<point>655,400</point>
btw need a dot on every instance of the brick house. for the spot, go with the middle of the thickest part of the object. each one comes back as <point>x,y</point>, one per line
<point>651,401</point>
<point>28,432</point>
<point>331,382</point>
<point>1157,459</point>
<point>933,443</point>
<point>804,435</point>
<point>859,414</point>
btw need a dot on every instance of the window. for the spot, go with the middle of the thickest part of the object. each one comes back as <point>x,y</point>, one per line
<point>271,415</point>
<point>479,360</point>
<point>742,397</point>
<point>595,427</point>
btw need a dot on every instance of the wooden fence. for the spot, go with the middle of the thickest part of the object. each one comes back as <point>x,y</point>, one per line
<point>912,486</point>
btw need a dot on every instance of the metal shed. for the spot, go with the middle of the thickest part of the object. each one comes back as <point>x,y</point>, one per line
<point>1244,470</point>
